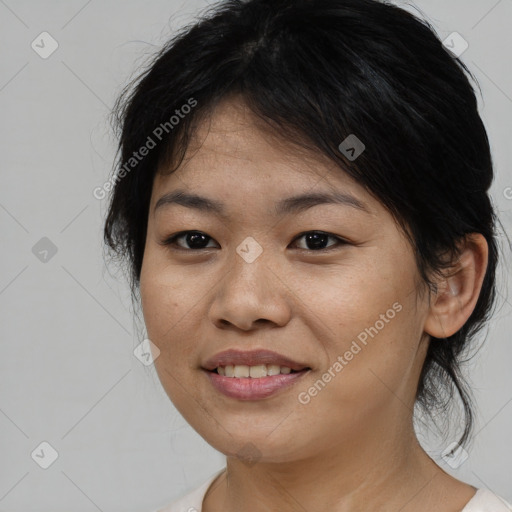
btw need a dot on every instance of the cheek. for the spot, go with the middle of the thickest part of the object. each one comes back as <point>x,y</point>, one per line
<point>165,317</point>
<point>374,327</point>
<point>160,289</point>
<point>352,298</point>
<point>160,303</point>
<point>171,299</point>
<point>383,371</point>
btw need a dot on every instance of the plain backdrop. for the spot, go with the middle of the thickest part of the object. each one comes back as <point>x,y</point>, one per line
<point>68,374</point>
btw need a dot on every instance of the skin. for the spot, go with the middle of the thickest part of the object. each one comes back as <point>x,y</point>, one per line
<point>352,447</point>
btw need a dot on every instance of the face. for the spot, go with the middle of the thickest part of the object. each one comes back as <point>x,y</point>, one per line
<point>333,286</point>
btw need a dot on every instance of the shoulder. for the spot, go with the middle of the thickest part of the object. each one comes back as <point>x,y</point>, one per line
<point>193,500</point>
<point>486,501</point>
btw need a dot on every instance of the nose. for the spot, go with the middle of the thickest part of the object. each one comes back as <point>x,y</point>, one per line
<point>250,294</point>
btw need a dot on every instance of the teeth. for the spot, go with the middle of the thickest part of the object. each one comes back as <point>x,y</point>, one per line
<point>254,372</point>
<point>273,369</point>
<point>258,371</point>
<point>241,371</point>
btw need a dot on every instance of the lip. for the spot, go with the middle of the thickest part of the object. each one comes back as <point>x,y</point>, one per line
<point>251,358</point>
<point>247,388</point>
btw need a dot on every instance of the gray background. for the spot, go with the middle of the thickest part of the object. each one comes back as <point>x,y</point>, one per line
<point>68,373</point>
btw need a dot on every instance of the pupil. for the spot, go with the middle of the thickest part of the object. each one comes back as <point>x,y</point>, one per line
<point>314,237</point>
<point>191,237</point>
<point>314,240</point>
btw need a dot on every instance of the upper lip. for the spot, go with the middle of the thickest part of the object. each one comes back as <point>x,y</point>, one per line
<point>251,358</point>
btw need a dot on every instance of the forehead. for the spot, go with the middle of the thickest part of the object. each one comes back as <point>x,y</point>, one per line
<point>234,155</point>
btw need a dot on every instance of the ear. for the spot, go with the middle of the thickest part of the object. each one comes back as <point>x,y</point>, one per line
<point>458,292</point>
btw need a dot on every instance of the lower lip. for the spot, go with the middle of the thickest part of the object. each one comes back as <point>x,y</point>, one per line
<point>247,388</point>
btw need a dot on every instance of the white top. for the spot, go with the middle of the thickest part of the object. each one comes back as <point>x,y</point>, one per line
<point>483,501</point>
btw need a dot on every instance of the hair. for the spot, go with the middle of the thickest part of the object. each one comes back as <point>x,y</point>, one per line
<point>317,71</point>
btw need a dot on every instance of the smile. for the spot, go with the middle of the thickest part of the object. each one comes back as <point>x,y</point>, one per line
<point>254,372</point>
<point>243,386</point>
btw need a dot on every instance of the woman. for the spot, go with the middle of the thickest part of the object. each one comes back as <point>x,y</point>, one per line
<point>302,199</point>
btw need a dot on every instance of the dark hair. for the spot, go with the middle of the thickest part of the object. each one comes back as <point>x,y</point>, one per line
<point>317,71</point>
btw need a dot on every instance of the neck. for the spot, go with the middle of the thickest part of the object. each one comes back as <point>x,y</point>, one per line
<point>374,471</point>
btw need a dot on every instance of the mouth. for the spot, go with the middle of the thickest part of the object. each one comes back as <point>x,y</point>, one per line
<point>254,374</point>
<point>252,363</point>
<point>239,384</point>
<point>256,371</point>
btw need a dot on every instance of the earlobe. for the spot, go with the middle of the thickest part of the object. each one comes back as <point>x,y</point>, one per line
<point>457,294</point>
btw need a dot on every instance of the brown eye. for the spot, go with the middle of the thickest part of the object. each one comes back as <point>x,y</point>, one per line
<point>196,240</point>
<point>316,240</point>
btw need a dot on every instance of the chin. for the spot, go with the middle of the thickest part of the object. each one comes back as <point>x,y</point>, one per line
<point>254,444</point>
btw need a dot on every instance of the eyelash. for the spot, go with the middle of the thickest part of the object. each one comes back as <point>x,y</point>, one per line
<point>171,241</point>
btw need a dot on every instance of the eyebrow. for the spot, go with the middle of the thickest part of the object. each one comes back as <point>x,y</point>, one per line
<point>295,204</point>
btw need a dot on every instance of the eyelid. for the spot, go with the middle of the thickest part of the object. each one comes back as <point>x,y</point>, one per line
<point>340,241</point>
<point>170,241</point>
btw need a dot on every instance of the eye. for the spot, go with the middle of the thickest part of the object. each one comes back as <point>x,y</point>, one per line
<point>317,239</point>
<point>195,238</point>
<point>198,240</point>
